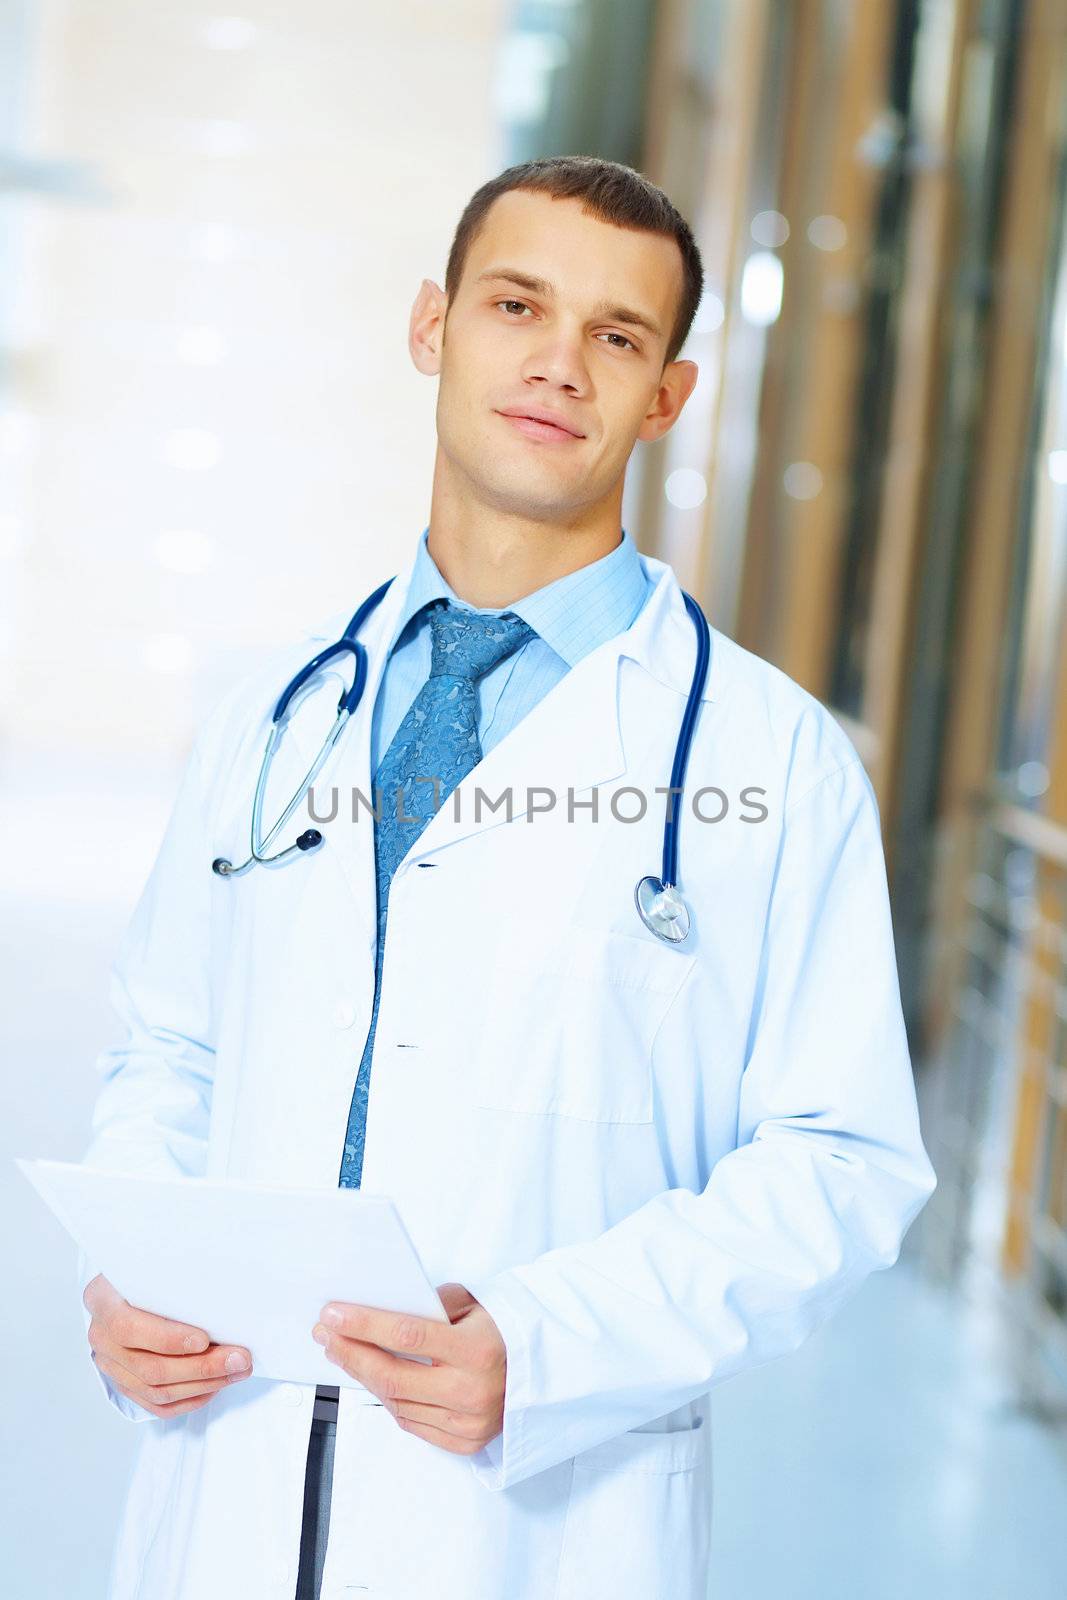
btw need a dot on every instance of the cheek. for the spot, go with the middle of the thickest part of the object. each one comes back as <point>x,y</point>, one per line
<point>464,407</point>
<point>625,412</point>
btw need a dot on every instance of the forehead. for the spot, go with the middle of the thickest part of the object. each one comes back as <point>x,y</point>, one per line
<point>583,257</point>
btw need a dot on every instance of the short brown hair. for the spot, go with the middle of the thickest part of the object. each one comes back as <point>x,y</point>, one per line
<point>612,192</point>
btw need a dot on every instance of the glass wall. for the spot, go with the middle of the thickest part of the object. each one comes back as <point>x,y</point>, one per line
<point>867,488</point>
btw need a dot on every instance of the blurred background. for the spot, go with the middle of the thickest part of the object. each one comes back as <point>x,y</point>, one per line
<point>212,227</point>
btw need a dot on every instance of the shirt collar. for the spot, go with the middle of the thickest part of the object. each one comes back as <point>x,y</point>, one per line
<point>573,614</point>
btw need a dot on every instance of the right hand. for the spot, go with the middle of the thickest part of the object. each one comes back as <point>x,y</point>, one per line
<point>167,1367</point>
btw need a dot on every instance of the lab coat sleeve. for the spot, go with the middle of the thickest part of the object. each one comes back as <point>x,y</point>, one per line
<point>152,1110</point>
<point>828,1173</point>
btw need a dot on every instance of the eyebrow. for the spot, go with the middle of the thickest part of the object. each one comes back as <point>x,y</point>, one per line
<point>541,286</point>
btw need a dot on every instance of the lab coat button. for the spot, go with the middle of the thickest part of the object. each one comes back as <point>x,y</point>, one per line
<point>291,1394</point>
<point>281,1572</point>
<point>344,1013</point>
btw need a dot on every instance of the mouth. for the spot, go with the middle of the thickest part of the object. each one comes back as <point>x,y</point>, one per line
<point>535,428</point>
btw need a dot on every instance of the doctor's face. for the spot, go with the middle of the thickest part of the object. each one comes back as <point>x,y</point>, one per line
<point>561,314</point>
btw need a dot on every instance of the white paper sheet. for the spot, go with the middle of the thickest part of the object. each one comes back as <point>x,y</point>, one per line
<point>251,1264</point>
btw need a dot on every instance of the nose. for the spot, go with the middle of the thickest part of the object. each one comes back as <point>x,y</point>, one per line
<point>558,361</point>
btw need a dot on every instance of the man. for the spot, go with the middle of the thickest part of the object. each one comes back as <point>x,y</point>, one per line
<point>641,1166</point>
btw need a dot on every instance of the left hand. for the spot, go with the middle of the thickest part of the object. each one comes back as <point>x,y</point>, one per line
<point>458,1402</point>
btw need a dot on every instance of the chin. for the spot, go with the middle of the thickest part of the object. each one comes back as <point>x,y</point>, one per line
<point>521,494</point>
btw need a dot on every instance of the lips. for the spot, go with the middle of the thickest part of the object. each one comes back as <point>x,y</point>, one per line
<point>541,424</point>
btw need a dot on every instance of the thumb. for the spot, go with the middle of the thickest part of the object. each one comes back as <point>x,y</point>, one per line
<point>456,1300</point>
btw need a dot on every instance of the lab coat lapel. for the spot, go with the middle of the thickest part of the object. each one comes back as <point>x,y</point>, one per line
<point>570,741</point>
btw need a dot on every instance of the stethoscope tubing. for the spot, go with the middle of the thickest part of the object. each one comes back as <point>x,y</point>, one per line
<point>669,875</point>
<point>661,908</point>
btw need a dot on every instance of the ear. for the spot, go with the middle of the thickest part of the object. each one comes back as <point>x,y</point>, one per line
<point>675,386</point>
<point>426,327</point>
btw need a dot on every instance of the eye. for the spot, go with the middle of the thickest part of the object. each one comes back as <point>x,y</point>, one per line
<point>612,335</point>
<point>621,336</point>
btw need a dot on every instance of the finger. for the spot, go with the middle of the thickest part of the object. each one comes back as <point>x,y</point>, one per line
<point>136,1329</point>
<point>164,1394</point>
<point>394,1378</point>
<point>461,1424</point>
<point>220,1361</point>
<point>391,1330</point>
<point>99,1294</point>
<point>180,1408</point>
<point>444,1441</point>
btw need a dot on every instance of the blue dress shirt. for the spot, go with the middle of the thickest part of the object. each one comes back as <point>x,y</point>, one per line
<point>571,616</point>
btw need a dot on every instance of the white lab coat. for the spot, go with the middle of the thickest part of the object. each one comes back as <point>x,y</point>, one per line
<point>655,1166</point>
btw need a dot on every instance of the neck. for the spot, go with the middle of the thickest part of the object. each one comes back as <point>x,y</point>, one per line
<point>492,557</point>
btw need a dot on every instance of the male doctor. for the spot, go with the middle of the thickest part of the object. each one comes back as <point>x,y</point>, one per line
<point>635,1167</point>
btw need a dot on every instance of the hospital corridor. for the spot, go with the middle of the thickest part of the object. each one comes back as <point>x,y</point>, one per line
<point>215,432</point>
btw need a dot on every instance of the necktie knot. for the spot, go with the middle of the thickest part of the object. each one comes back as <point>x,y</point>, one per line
<point>466,644</point>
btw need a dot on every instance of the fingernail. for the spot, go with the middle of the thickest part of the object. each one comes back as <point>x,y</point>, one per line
<point>193,1341</point>
<point>319,1334</point>
<point>236,1362</point>
<point>331,1314</point>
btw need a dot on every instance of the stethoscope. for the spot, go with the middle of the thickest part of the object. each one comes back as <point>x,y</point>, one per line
<point>660,906</point>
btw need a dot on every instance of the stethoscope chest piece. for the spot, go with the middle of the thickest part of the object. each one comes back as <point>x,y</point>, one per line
<point>662,910</point>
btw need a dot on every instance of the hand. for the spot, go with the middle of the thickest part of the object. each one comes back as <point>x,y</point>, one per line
<point>458,1402</point>
<point>167,1367</point>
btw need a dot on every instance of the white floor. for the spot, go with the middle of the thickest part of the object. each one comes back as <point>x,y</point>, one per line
<point>888,1458</point>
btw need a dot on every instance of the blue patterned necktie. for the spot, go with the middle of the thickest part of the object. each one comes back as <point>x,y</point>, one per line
<point>432,751</point>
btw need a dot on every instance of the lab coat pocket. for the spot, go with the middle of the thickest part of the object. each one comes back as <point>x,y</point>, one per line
<point>638,1521</point>
<point>571,1015</point>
